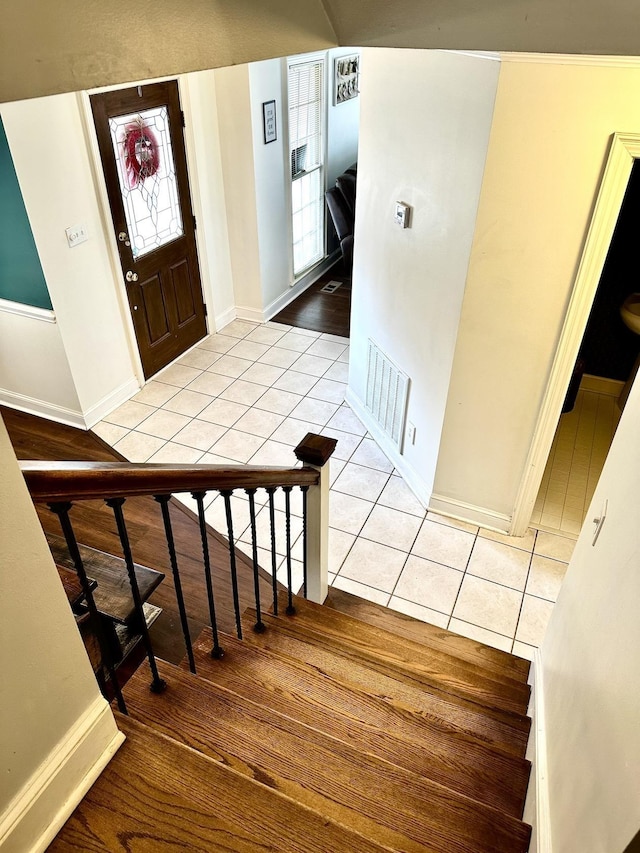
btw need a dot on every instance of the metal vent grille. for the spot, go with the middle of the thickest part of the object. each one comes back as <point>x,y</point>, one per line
<point>387,394</point>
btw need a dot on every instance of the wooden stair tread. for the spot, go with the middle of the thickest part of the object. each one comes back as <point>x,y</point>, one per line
<point>409,661</point>
<point>112,594</point>
<point>375,798</point>
<point>494,660</point>
<point>504,732</point>
<point>157,794</point>
<point>71,585</point>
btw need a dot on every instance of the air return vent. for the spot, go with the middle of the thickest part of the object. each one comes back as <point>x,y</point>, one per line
<point>387,394</point>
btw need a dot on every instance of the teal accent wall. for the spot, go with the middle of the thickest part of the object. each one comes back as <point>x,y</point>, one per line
<point>21,276</point>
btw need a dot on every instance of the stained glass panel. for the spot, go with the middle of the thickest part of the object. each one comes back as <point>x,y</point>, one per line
<point>147,177</point>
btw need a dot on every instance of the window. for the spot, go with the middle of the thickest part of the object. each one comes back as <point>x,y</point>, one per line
<point>306,146</point>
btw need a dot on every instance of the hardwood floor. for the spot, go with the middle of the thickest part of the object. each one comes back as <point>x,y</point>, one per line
<point>94,524</point>
<point>321,312</point>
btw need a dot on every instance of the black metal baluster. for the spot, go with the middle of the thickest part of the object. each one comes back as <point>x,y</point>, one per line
<point>304,490</point>
<point>62,511</point>
<point>157,684</point>
<point>232,561</point>
<point>163,500</point>
<point>287,508</point>
<point>259,627</point>
<point>274,579</point>
<point>216,652</point>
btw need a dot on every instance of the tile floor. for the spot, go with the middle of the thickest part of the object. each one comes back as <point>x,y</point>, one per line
<point>577,455</point>
<point>249,394</point>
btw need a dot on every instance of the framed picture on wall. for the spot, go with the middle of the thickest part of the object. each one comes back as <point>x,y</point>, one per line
<point>269,121</point>
<point>346,78</point>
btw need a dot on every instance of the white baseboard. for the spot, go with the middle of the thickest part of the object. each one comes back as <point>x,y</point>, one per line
<point>222,320</point>
<point>112,400</point>
<point>479,515</point>
<point>601,385</point>
<point>253,315</point>
<point>42,409</point>
<point>300,286</point>
<point>536,809</point>
<point>42,806</point>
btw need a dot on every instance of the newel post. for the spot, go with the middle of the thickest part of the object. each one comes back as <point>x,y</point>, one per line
<point>315,451</point>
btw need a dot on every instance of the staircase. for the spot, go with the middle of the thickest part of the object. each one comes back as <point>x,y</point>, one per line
<point>322,733</point>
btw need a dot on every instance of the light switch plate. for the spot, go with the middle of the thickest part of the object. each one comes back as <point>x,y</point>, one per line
<point>402,214</point>
<point>76,234</point>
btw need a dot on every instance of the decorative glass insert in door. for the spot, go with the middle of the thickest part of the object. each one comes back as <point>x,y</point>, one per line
<point>147,177</point>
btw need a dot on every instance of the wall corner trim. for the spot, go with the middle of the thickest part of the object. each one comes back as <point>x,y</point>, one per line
<point>462,511</point>
<point>45,802</point>
<point>539,731</point>
<point>222,320</point>
<point>110,402</point>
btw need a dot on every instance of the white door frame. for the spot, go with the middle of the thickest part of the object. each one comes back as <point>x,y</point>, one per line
<point>625,148</point>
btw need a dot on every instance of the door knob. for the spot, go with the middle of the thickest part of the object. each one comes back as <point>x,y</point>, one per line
<point>131,276</point>
<point>124,238</point>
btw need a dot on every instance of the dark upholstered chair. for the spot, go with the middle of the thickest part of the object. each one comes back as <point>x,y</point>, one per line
<point>341,201</point>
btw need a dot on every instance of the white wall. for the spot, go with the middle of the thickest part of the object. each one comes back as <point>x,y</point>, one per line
<point>46,137</point>
<point>591,667</point>
<point>549,141</point>
<point>425,118</point>
<point>56,731</point>
<point>343,122</point>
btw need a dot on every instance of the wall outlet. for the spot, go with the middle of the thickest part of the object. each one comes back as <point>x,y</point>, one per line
<point>411,433</point>
<point>76,234</point>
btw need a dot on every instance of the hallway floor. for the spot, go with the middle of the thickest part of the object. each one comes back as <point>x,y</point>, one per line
<point>249,394</point>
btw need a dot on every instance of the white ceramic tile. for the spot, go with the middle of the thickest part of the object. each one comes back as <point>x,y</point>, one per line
<point>348,513</point>
<point>279,357</point>
<point>329,390</point>
<point>259,422</point>
<point>237,445</point>
<point>344,358</point>
<point>187,402</point>
<point>524,542</point>
<point>336,467</point>
<point>361,482</point>
<point>291,431</point>
<point>429,584</point>
<point>274,453</point>
<point>308,333</point>
<point>326,349</point>
<point>373,564</point>
<point>338,371</point>
<point>337,339</point>
<point>313,365</point>
<point>370,455</point>
<point>155,393</point>
<point>345,420</point>
<point>248,350</point>
<point>545,577</point>
<point>179,375</point>
<point>452,522</point>
<point>163,424</point>
<point>295,501</point>
<point>339,546</point>
<point>279,327</point>
<point>499,563</point>
<point>299,383</point>
<point>199,358</point>
<point>111,433</point>
<point>347,442</point>
<point>488,605</point>
<point>533,621</point>
<point>138,447</point>
<point>280,402</point>
<point>213,459</point>
<point>215,515</point>
<point>314,411</point>
<point>556,547</point>
<point>482,635</point>
<point>523,650</point>
<point>212,384</point>
<point>397,495</point>
<point>129,414</point>
<point>361,590</point>
<point>265,335</point>
<point>263,530</point>
<point>262,374</point>
<point>223,412</point>
<point>218,343</point>
<point>390,527</point>
<point>425,614</point>
<point>296,575</point>
<point>228,365</point>
<point>177,454</point>
<point>443,544</point>
<point>295,341</point>
<point>199,434</point>
<point>243,392</point>
<point>239,328</point>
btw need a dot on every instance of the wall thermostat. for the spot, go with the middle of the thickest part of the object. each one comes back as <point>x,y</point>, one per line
<point>402,214</point>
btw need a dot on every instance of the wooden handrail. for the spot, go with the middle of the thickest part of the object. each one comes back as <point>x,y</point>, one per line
<point>50,482</point>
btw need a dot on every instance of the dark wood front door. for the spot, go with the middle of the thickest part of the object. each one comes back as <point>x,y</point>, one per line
<point>143,157</point>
